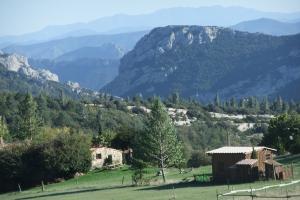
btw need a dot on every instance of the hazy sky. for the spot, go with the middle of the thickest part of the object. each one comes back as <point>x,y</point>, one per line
<point>23,16</point>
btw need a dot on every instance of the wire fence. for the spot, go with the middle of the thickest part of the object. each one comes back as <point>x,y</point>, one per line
<point>290,190</point>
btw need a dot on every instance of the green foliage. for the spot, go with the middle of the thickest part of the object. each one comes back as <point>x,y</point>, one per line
<point>67,154</point>
<point>104,138</point>
<point>198,159</point>
<point>29,164</point>
<point>3,130</point>
<point>29,121</point>
<point>12,166</point>
<point>283,133</point>
<point>159,143</point>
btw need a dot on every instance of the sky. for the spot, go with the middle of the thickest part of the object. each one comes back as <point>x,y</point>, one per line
<point>24,16</point>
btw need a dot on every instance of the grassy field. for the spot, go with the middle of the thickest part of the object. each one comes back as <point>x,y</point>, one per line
<point>107,185</point>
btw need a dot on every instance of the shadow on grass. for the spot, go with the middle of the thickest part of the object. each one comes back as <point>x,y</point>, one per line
<point>179,185</point>
<point>189,184</point>
<point>73,192</point>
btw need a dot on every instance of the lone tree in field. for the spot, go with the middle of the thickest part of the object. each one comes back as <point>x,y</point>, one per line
<point>159,144</point>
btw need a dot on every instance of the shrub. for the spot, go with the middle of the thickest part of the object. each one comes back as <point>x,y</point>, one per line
<point>198,159</point>
<point>66,155</point>
<point>12,167</point>
<point>28,165</point>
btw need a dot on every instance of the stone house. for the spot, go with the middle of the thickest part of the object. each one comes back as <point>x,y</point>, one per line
<point>104,156</point>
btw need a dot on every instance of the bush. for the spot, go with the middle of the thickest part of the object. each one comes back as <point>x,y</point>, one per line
<point>12,167</point>
<point>198,159</point>
<point>66,155</point>
<point>28,165</point>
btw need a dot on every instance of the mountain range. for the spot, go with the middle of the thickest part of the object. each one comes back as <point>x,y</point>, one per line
<point>55,48</point>
<point>201,61</point>
<point>92,61</point>
<point>90,53</point>
<point>213,15</point>
<point>268,26</point>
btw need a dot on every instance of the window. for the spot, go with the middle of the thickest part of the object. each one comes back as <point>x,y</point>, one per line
<point>98,156</point>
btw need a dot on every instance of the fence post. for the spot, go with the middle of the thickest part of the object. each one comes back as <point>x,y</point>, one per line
<point>123,180</point>
<point>217,194</point>
<point>292,170</point>
<point>43,186</point>
<point>174,196</point>
<point>228,184</point>
<point>19,186</point>
<point>251,192</point>
<point>274,173</point>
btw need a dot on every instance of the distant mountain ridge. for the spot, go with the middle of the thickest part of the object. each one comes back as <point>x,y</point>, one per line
<point>56,48</point>
<point>268,26</point>
<point>105,51</point>
<point>200,61</point>
<point>213,15</point>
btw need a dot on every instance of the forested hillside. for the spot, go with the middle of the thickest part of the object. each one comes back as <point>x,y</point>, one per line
<point>200,61</point>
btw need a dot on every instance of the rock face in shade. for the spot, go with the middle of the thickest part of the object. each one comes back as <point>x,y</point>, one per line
<point>200,61</point>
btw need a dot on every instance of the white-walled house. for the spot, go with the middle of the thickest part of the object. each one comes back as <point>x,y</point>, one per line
<point>101,154</point>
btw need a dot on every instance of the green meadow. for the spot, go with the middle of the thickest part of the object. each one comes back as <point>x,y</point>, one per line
<point>117,184</point>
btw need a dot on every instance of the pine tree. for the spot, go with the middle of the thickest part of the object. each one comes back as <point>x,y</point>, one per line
<point>175,98</point>
<point>217,100</point>
<point>285,107</point>
<point>242,103</point>
<point>233,103</point>
<point>159,143</point>
<point>265,107</point>
<point>278,105</point>
<point>29,123</point>
<point>3,130</point>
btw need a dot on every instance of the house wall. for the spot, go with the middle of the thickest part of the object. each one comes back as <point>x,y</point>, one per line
<point>117,157</point>
<point>229,159</point>
<point>221,163</point>
<point>262,156</point>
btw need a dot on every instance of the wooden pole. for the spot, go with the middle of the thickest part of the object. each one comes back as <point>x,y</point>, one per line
<point>174,196</point>
<point>292,170</point>
<point>228,184</point>
<point>217,194</point>
<point>123,180</point>
<point>19,186</point>
<point>43,186</point>
<point>274,173</point>
<point>251,192</point>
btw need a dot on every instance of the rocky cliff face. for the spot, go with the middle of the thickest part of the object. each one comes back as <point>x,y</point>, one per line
<point>201,61</point>
<point>17,63</point>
